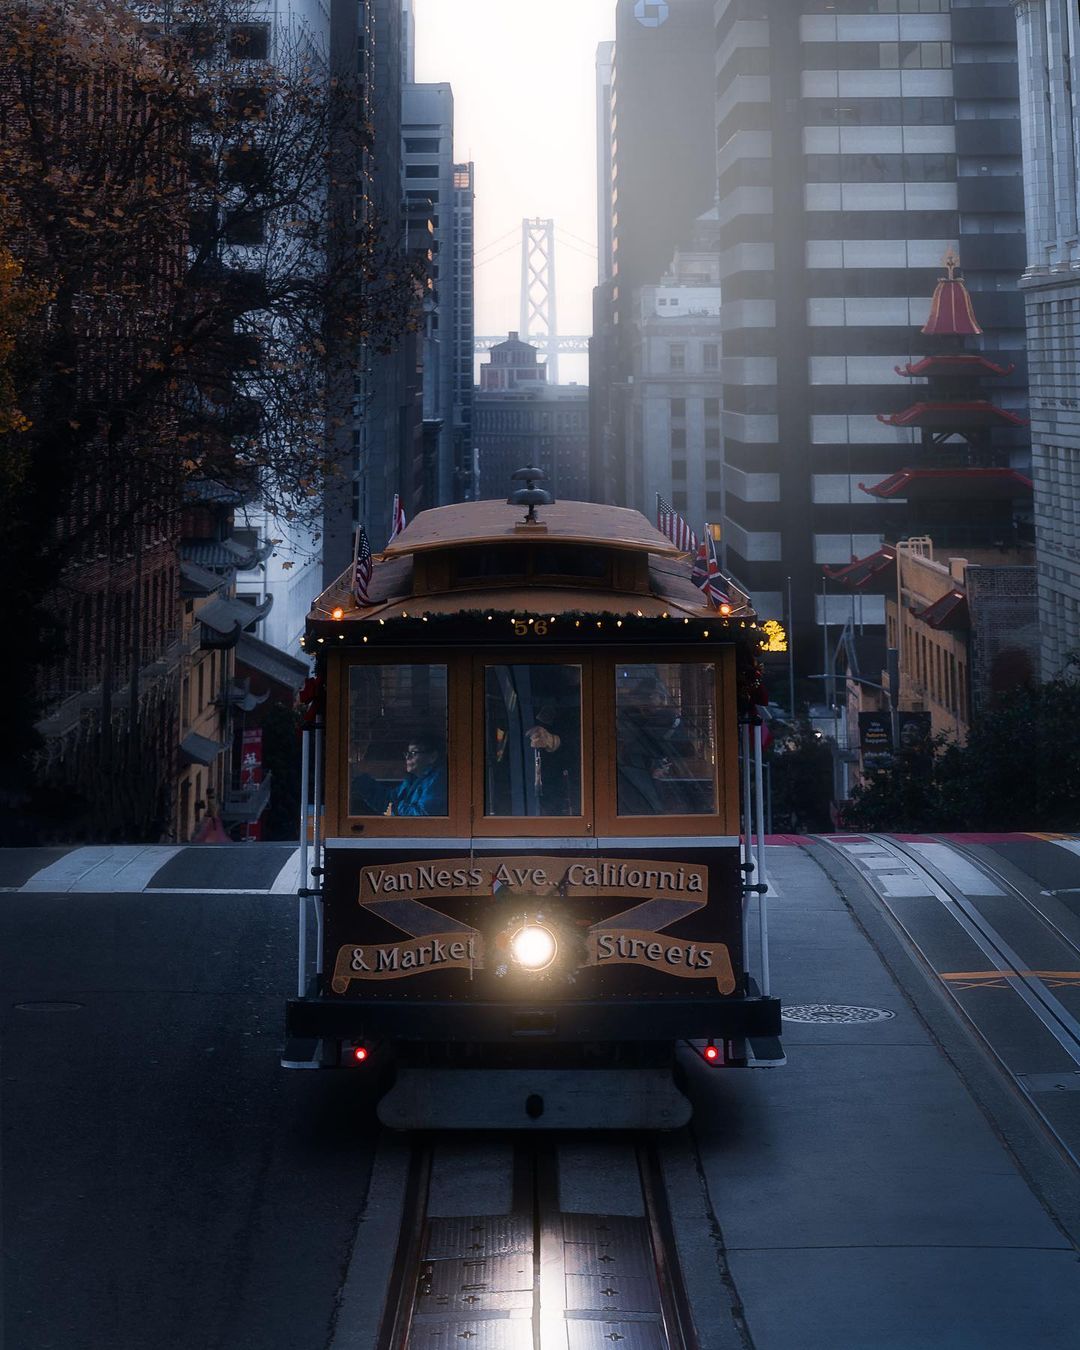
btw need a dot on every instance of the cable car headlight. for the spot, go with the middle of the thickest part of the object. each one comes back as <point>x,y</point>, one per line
<point>534,947</point>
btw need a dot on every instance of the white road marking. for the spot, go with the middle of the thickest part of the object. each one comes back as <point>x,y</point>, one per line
<point>287,881</point>
<point>962,873</point>
<point>107,868</point>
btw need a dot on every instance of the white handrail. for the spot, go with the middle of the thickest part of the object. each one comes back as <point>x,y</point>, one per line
<point>320,735</point>
<point>760,877</point>
<point>301,944</point>
<point>747,855</point>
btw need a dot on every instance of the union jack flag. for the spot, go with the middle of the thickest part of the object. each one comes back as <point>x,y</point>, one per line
<point>361,577</point>
<point>706,572</point>
<point>671,524</point>
<point>397,519</point>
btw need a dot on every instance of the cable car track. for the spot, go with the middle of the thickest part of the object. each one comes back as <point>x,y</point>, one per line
<point>1012,889</point>
<point>1026,983</point>
<point>1061,1024</point>
<point>541,1276</point>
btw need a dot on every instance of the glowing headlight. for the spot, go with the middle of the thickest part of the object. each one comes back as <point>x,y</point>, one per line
<point>534,947</point>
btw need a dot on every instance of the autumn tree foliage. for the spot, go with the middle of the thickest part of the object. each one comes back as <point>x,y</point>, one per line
<point>186,285</point>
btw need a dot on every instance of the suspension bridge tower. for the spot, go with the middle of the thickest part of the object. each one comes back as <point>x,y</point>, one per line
<point>538,323</point>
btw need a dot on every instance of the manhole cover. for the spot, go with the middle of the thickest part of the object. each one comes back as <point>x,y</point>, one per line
<point>835,1013</point>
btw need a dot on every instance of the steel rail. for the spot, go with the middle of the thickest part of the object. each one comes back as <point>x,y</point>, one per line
<point>1001,879</point>
<point>536,1209</point>
<point>1054,1016</point>
<point>957,902</point>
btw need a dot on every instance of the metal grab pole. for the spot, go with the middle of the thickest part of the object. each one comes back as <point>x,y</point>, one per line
<point>319,737</point>
<point>301,945</point>
<point>760,878</point>
<point>746,850</point>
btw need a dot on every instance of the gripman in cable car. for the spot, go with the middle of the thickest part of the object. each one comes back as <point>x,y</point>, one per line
<point>531,878</point>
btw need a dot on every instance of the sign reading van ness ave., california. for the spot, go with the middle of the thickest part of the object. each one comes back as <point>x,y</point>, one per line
<point>661,893</point>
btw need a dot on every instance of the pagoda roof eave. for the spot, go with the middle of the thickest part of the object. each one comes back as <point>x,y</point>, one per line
<point>942,415</point>
<point>874,574</point>
<point>950,612</point>
<point>980,484</point>
<point>956,364</point>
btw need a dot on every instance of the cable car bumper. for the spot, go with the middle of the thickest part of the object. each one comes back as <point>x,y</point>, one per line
<point>608,1020</point>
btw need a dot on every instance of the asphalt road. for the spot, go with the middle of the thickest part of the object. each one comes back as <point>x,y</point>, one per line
<point>901,1184</point>
<point>165,1183</point>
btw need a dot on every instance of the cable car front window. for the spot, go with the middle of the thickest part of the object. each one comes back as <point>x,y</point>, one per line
<point>665,722</point>
<point>397,741</point>
<point>532,740</point>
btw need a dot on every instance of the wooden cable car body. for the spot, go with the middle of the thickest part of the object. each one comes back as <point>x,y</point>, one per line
<point>532,884</point>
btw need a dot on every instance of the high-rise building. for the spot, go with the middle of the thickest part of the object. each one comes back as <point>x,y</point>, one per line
<point>427,128</point>
<point>1049,46</point>
<point>605,62</point>
<point>858,143</point>
<point>465,467</point>
<point>657,174</point>
<point>672,441</point>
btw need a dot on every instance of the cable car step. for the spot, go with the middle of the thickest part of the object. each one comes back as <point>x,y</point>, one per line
<point>534,1099</point>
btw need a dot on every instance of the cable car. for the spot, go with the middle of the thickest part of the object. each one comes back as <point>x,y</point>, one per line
<point>531,876</point>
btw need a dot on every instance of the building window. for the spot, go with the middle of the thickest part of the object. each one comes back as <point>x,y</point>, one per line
<point>710,356</point>
<point>678,408</point>
<point>677,356</point>
<point>249,41</point>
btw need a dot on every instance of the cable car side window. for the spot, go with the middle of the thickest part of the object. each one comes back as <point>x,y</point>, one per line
<point>665,733</point>
<point>532,740</point>
<point>397,741</point>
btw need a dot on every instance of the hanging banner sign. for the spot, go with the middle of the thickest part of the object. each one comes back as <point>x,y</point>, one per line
<point>875,739</point>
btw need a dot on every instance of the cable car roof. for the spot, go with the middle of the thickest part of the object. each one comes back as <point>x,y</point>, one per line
<point>564,522</point>
<point>415,594</point>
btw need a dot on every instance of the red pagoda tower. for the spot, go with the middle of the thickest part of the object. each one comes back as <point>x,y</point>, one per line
<point>957,569</point>
<point>958,485</point>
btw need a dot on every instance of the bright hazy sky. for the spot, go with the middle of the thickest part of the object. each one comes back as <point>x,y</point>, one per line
<point>523,75</point>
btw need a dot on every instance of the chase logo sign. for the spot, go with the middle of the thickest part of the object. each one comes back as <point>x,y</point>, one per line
<point>651,13</point>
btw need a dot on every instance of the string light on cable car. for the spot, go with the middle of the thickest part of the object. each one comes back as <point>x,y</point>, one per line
<point>338,613</point>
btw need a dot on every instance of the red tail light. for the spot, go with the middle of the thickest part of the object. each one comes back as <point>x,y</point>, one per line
<point>359,1054</point>
<point>711,1054</point>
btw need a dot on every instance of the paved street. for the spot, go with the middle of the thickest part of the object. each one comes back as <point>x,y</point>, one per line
<point>165,1183</point>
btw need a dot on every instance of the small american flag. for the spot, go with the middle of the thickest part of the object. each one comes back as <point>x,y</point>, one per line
<point>397,520</point>
<point>670,523</point>
<point>361,578</point>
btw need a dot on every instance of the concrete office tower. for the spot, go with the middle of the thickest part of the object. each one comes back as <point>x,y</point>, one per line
<point>427,128</point>
<point>391,413</point>
<point>673,431</point>
<point>857,143</point>
<point>605,63</point>
<point>657,174</point>
<point>465,466</point>
<point>1049,40</point>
